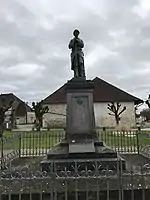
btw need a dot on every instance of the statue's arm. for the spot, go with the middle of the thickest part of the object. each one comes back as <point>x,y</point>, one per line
<point>71,44</point>
<point>81,43</point>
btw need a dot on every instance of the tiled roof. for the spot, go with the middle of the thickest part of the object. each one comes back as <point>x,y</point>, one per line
<point>12,100</point>
<point>103,92</point>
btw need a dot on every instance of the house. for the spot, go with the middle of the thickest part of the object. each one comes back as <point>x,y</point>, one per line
<point>103,94</point>
<point>18,109</point>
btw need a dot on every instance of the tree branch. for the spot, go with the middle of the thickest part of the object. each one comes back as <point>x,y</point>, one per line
<point>124,108</point>
<point>114,108</point>
<point>111,114</point>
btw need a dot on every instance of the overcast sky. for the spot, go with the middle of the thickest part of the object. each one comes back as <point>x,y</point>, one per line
<point>34,37</point>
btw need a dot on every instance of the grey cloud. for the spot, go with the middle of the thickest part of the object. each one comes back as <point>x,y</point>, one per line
<point>37,32</point>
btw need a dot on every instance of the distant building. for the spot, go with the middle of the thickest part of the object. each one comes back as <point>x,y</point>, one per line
<point>104,93</point>
<point>18,112</point>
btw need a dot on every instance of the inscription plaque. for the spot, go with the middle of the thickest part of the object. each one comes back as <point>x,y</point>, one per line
<point>80,109</point>
<point>81,147</point>
<point>80,114</point>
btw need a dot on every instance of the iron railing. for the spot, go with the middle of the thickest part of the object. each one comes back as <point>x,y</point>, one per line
<point>120,141</point>
<point>34,144</point>
<point>78,182</point>
<point>9,148</point>
<point>100,184</point>
<point>39,143</point>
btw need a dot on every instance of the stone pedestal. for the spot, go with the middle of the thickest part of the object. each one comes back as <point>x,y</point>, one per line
<point>81,141</point>
<point>80,108</point>
<point>80,123</point>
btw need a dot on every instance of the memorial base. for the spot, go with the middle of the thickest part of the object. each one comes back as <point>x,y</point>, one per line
<point>103,156</point>
<point>81,144</point>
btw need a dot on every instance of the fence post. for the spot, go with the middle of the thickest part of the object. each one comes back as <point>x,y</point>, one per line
<point>2,152</point>
<point>137,137</point>
<point>19,145</point>
<point>104,139</point>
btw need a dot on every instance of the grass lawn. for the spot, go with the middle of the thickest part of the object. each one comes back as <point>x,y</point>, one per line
<point>48,139</point>
<point>32,140</point>
<point>113,138</point>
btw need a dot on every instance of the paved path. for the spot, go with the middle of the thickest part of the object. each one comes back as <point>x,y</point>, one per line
<point>26,127</point>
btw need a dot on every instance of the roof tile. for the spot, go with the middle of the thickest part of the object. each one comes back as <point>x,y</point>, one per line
<point>103,92</point>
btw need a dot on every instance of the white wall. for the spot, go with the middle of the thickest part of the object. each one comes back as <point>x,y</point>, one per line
<point>21,120</point>
<point>101,116</point>
<point>30,117</point>
<point>104,120</point>
<point>58,119</point>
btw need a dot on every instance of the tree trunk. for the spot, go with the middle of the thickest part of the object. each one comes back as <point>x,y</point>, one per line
<point>1,132</point>
<point>117,120</point>
<point>41,122</point>
<point>38,127</point>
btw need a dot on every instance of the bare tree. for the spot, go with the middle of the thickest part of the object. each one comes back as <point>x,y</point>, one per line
<point>148,101</point>
<point>3,109</point>
<point>145,113</point>
<point>39,110</point>
<point>115,110</point>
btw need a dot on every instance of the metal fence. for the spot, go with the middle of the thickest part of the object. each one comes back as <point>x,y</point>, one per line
<point>120,141</point>
<point>9,148</point>
<point>34,144</point>
<point>39,143</point>
<point>33,184</point>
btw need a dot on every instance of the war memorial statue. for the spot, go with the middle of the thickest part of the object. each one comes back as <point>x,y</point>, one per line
<point>81,141</point>
<point>77,55</point>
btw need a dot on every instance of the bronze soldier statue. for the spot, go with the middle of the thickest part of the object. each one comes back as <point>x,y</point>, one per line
<point>77,56</point>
